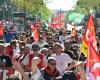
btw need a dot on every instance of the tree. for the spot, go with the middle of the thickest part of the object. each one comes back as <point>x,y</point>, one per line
<point>32,6</point>
<point>2,1</point>
<point>84,6</point>
<point>67,15</point>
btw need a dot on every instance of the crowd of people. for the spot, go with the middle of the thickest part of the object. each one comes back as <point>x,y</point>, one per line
<point>52,57</point>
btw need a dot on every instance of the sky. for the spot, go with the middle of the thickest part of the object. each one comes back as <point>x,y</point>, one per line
<point>61,4</point>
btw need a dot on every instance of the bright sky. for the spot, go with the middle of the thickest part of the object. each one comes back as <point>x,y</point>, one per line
<point>61,4</point>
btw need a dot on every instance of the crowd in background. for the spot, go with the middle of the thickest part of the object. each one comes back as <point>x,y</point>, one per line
<point>52,57</point>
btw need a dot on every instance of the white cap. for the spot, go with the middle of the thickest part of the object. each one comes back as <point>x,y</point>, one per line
<point>51,58</point>
<point>1,44</point>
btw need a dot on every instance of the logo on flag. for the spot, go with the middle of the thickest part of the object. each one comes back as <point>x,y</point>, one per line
<point>93,64</point>
<point>89,36</point>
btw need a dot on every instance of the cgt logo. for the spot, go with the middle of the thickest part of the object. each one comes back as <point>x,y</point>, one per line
<point>91,38</point>
<point>96,70</point>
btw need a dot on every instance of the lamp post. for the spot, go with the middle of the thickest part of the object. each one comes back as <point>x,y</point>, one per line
<point>6,9</point>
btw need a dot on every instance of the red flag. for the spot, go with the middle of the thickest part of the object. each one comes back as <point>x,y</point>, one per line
<point>93,64</point>
<point>57,21</point>
<point>1,29</point>
<point>61,20</point>
<point>35,33</point>
<point>90,33</point>
<point>89,36</point>
<point>74,31</point>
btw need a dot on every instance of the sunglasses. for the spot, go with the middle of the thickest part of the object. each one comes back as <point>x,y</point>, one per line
<point>53,64</point>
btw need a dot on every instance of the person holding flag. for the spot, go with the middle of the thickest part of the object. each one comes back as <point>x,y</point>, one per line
<point>89,49</point>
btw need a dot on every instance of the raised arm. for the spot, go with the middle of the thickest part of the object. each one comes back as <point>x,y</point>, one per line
<point>19,68</point>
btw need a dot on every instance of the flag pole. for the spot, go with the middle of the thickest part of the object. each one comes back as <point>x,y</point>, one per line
<point>81,69</point>
<point>87,62</point>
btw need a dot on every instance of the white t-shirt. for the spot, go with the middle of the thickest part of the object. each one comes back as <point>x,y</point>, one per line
<point>61,39</point>
<point>62,61</point>
<point>37,76</point>
<point>26,60</point>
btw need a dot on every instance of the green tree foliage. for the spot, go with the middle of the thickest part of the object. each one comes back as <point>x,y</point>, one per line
<point>2,1</point>
<point>67,15</point>
<point>32,6</point>
<point>84,6</point>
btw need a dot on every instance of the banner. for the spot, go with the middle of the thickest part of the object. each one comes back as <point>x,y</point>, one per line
<point>57,21</point>
<point>76,17</point>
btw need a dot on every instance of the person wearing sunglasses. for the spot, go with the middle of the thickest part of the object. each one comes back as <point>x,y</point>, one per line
<point>35,52</point>
<point>50,72</point>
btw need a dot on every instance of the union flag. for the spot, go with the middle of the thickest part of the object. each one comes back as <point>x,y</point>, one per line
<point>92,64</point>
<point>89,35</point>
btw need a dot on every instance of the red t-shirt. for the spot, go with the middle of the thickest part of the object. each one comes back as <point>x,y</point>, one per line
<point>27,61</point>
<point>9,51</point>
<point>41,56</point>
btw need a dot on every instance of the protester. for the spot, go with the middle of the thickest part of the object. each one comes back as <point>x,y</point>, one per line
<point>76,53</point>
<point>46,46</point>
<point>26,51</point>
<point>22,38</point>
<point>21,59</point>
<point>22,44</point>
<point>5,61</point>
<point>20,51</point>
<point>34,53</point>
<point>10,35</point>
<point>44,51</point>
<point>35,74</point>
<point>24,60</point>
<point>50,52</point>
<point>50,72</point>
<point>11,49</point>
<point>30,40</point>
<point>62,59</point>
<point>62,37</point>
<point>67,46</point>
<point>41,42</point>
